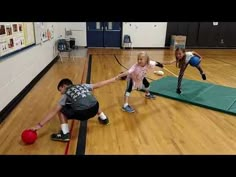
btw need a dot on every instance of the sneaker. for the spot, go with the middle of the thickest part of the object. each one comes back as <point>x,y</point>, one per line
<point>178,90</point>
<point>150,96</point>
<point>204,76</point>
<point>104,122</point>
<point>128,109</point>
<point>60,136</point>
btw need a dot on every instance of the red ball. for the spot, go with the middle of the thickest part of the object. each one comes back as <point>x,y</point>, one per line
<point>29,136</point>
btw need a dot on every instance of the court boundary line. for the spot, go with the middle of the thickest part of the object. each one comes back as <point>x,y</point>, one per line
<point>81,143</point>
<point>81,134</point>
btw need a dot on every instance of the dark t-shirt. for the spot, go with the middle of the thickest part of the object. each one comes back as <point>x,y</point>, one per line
<point>79,97</point>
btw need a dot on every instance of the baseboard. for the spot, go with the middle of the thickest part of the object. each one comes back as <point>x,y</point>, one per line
<point>128,48</point>
<point>167,47</point>
<point>6,111</point>
<point>210,47</point>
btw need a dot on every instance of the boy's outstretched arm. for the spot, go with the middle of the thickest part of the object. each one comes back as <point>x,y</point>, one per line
<point>103,83</point>
<point>48,117</point>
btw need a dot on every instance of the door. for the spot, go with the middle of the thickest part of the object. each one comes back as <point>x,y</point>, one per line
<point>227,36</point>
<point>208,34</point>
<point>95,34</point>
<point>104,34</point>
<point>112,34</point>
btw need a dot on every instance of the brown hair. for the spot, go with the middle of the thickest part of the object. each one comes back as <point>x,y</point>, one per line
<point>65,81</point>
<point>179,63</point>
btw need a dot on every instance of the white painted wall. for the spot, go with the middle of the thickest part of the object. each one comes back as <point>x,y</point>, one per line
<point>18,70</point>
<point>146,34</point>
<point>78,31</point>
<point>143,34</point>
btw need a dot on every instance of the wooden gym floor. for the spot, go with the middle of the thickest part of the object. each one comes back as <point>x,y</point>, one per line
<point>160,126</point>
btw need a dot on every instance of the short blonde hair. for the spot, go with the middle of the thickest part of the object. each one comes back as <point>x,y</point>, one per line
<point>144,54</point>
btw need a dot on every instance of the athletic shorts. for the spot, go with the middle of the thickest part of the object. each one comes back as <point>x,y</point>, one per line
<point>80,114</point>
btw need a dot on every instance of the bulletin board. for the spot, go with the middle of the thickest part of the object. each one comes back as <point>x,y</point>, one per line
<point>43,32</point>
<point>15,36</point>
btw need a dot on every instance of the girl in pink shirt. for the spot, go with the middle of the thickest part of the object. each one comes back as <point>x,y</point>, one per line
<point>136,78</point>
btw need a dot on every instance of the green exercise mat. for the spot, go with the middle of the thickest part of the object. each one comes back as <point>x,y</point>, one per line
<point>203,94</point>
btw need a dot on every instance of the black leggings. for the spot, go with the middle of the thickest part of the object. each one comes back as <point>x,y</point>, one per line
<point>181,73</point>
<point>130,84</point>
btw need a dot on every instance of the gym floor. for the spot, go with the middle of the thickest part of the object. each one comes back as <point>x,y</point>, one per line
<point>160,126</point>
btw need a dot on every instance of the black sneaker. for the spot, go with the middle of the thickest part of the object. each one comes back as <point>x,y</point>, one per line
<point>204,76</point>
<point>178,90</point>
<point>104,122</point>
<point>60,136</point>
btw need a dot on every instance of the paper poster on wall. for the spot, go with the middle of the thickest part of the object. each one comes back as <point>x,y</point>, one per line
<point>15,36</point>
<point>10,43</point>
<point>38,30</point>
<point>44,36</point>
<point>2,30</point>
<point>9,29</point>
<point>28,33</point>
<point>3,47</point>
<point>15,28</point>
<point>52,31</point>
<point>20,27</point>
<point>18,42</point>
<point>43,32</point>
<point>47,32</point>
